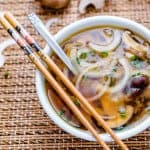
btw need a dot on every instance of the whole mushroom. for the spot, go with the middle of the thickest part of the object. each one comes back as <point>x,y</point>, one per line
<point>136,85</point>
<point>55,4</point>
<point>97,4</point>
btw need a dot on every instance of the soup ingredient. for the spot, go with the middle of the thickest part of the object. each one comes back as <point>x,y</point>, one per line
<point>148,61</point>
<point>123,82</point>
<point>115,82</point>
<point>55,4</point>
<point>113,108</point>
<point>98,88</point>
<point>84,57</point>
<point>116,39</point>
<point>133,46</point>
<point>3,46</point>
<point>133,57</point>
<point>62,110</point>
<point>136,85</point>
<point>98,4</point>
<point>103,54</point>
<point>137,63</point>
<point>121,120</point>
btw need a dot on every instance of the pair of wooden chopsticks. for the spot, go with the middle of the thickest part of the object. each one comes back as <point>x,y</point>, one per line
<point>9,23</point>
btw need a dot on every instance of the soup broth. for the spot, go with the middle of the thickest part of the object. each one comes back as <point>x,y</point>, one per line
<point>114,72</point>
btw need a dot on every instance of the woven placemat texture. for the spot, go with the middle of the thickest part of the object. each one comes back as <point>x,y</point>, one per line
<point>23,122</point>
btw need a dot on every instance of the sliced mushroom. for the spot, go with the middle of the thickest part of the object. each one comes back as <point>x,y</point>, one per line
<point>98,4</point>
<point>133,46</point>
<point>111,108</point>
<point>119,120</point>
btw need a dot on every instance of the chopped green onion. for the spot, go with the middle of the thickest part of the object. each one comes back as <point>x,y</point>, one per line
<point>76,103</point>
<point>134,57</point>
<point>137,74</point>
<point>92,53</point>
<point>61,112</point>
<point>103,54</point>
<point>148,111</point>
<point>148,61</point>
<point>68,119</point>
<point>112,81</point>
<point>137,63</point>
<point>78,60</point>
<point>84,77</point>
<point>114,69</point>
<point>123,114</point>
<point>120,128</point>
<point>83,55</point>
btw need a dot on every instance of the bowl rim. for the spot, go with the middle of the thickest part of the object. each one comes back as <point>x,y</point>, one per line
<point>40,85</point>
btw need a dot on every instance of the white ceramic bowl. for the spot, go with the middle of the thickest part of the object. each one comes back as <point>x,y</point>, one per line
<point>128,131</point>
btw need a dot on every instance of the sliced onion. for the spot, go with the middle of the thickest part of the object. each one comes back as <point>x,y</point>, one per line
<point>101,72</point>
<point>123,82</point>
<point>101,91</point>
<point>105,87</point>
<point>75,54</point>
<point>108,47</point>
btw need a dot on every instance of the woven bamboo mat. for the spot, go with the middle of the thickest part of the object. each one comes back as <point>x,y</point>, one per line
<point>23,123</point>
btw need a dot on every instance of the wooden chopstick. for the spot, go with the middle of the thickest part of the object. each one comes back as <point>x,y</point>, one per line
<point>65,80</point>
<point>52,81</point>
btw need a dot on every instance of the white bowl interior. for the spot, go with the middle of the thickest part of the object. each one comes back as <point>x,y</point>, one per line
<point>129,130</point>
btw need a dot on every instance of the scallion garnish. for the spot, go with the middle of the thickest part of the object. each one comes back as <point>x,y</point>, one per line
<point>114,69</point>
<point>134,57</point>
<point>76,102</point>
<point>123,114</point>
<point>83,55</point>
<point>137,74</point>
<point>78,60</point>
<point>137,63</point>
<point>103,54</point>
<point>61,112</point>
<point>120,128</point>
<point>148,61</point>
<point>112,81</point>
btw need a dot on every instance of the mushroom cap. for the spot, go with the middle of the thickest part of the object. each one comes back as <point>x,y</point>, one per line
<point>55,4</point>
